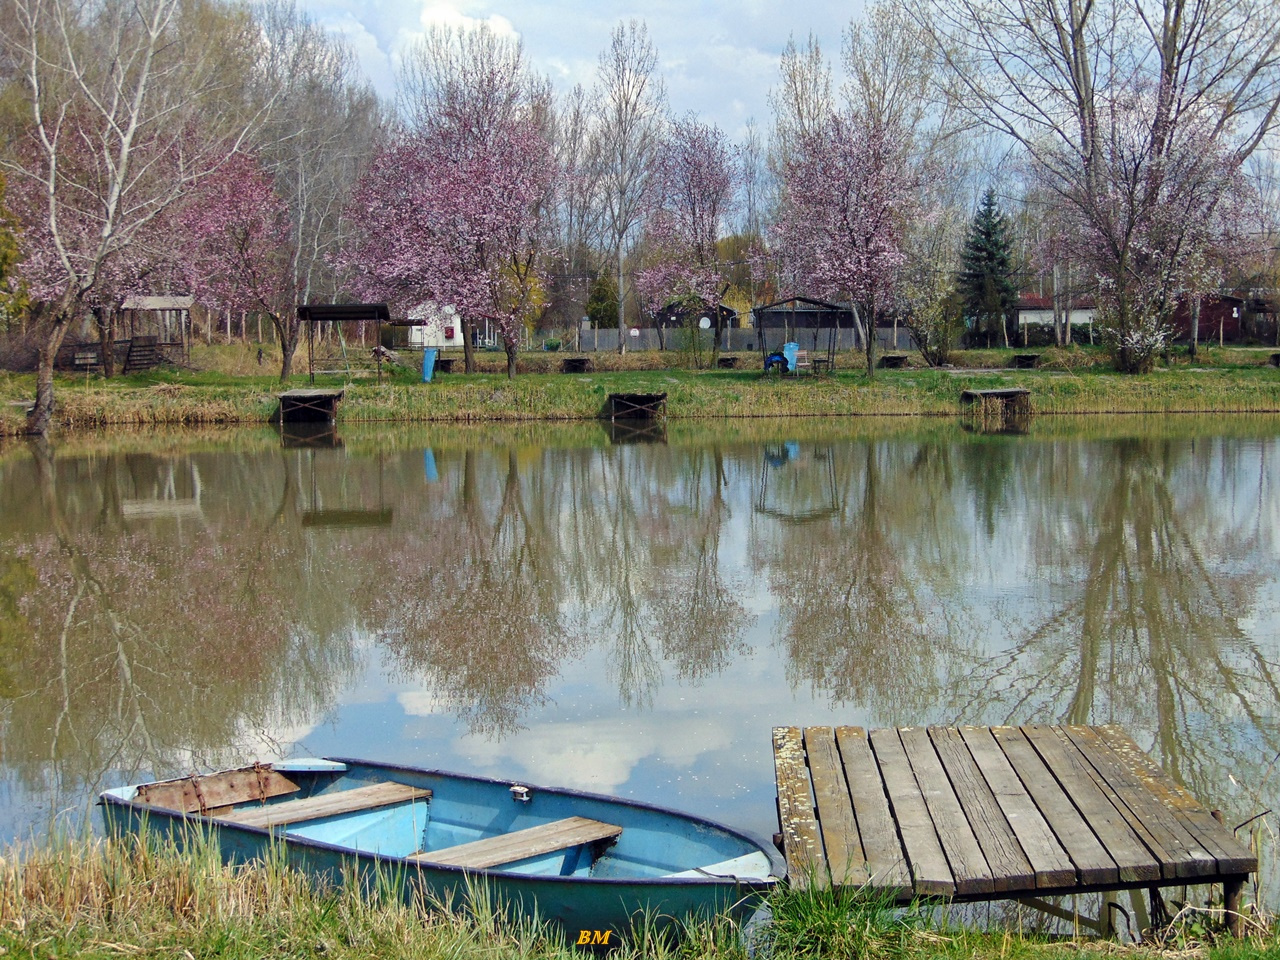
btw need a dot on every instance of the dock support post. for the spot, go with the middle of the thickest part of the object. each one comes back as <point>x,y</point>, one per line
<point>1231,893</point>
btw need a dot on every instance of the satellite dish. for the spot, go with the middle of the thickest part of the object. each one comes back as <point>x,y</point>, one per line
<point>705,323</point>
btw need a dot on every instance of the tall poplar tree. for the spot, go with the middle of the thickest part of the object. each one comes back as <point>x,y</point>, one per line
<point>986,278</point>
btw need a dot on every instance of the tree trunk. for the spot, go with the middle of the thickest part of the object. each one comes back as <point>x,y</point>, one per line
<point>468,349</point>
<point>41,415</point>
<point>513,347</point>
<point>106,321</point>
<point>1195,327</point>
<point>1058,338</point>
<point>288,333</point>
<point>871,339</point>
<point>622,310</point>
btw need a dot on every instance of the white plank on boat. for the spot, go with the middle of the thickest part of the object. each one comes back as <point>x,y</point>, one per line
<point>521,844</point>
<point>326,805</point>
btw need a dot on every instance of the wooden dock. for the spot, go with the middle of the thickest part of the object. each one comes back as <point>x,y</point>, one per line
<point>637,406</point>
<point>1000,401</point>
<point>984,813</point>
<point>299,406</point>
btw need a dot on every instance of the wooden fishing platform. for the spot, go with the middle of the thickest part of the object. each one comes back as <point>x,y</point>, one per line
<point>309,405</point>
<point>637,406</point>
<point>1002,400</point>
<point>984,813</point>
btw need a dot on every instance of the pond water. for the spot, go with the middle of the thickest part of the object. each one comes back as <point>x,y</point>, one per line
<point>632,613</point>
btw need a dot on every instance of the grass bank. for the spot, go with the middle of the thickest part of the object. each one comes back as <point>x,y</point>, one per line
<point>1235,382</point>
<point>133,898</point>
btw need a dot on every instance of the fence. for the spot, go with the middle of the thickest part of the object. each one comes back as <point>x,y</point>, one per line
<point>733,340</point>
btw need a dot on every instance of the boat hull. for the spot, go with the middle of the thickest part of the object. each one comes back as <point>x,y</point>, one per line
<point>597,904</point>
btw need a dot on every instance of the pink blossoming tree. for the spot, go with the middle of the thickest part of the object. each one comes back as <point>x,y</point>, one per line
<point>848,189</point>
<point>114,136</point>
<point>698,173</point>
<point>234,249</point>
<point>452,213</point>
<point>451,221</point>
<point>1161,209</point>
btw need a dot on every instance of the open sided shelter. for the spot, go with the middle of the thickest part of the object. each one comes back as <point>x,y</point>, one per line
<point>311,314</point>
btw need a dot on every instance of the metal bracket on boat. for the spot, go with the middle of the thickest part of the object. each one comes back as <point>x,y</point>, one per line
<point>195,785</point>
<point>260,772</point>
<point>520,793</point>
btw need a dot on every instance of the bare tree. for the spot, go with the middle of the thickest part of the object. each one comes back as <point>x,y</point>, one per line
<point>631,110</point>
<point>576,209</point>
<point>324,131</point>
<point>116,134</point>
<point>1134,114</point>
<point>802,100</point>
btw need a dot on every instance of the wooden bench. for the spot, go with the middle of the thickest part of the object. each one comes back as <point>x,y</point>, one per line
<point>802,361</point>
<point>326,805</point>
<point>85,360</point>
<point>522,845</point>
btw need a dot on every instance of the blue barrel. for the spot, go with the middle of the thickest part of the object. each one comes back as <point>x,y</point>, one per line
<point>428,363</point>
<point>791,351</point>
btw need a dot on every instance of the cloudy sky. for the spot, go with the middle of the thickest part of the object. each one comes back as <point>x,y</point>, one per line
<point>718,58</point>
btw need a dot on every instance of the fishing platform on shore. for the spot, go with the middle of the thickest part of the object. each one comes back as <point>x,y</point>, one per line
<point>984,813</point>
<point>999,401</point>
<point>309,406</point>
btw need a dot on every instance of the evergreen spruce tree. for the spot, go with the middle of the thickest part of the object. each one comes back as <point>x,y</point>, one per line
<point>986,278</point>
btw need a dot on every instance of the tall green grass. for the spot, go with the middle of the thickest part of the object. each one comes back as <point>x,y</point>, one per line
<point>194,399</point>
<point>143,897</point>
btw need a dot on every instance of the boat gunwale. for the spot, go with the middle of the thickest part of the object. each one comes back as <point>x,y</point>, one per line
<point>777,866</point>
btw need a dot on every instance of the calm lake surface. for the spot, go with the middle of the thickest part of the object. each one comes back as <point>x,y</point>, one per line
<point>632,614</point>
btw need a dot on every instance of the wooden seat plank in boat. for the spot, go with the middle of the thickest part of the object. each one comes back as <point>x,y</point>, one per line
<point>327,805</point>
<point>522,844</point>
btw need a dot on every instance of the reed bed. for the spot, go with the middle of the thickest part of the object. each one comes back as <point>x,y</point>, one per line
<point>167,398</point>
<point>143,897</point>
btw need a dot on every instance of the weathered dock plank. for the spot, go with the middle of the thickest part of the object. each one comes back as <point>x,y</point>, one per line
<point>926,859</point>
<point>1232,856</point>
<point>1177,848</point>
<point>1133,860</point>
<point>1050,864</point>
<point>1008,865</point>
<point>802,846</point>
<point>1093,864</point>
<point>964,854</point>
<point>836,821</point>
<point>886,860</point>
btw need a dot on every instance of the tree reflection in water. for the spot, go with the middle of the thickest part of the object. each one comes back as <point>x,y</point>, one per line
<point>165,607</point>
<point>1149,580</point>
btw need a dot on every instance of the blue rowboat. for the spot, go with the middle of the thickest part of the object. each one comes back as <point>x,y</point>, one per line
<point>591,864</point>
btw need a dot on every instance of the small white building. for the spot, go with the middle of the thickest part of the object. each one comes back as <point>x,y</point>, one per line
<point>435,326</point>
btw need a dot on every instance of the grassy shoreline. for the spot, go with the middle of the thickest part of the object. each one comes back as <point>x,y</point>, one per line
<point>187,398</point>
<point>98,898</point>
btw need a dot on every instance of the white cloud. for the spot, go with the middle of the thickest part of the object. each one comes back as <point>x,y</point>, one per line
<point>718,59</point>
<point>601,754</point>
